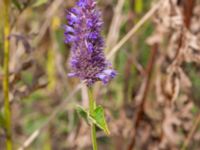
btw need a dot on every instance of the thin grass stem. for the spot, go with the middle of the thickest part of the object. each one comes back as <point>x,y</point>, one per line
<point>7,110</point>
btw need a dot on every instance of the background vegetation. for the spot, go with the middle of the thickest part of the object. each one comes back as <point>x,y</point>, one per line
<point>152,104</point>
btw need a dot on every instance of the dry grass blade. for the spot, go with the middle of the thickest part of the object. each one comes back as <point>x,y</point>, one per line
<point>134,29</point>
<point>146,86</point>
<point>113,33</point>
<point>190,135</point>
<point>53,8</point>
<point>35,134</point>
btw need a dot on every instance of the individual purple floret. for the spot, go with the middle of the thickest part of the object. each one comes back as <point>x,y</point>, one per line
<point>83,32</point>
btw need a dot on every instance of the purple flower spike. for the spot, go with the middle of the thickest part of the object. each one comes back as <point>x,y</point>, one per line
<point>83,32</point>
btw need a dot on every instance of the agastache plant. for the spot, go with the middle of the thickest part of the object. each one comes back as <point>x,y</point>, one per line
<point>83,32</point>
<point>87,61</point>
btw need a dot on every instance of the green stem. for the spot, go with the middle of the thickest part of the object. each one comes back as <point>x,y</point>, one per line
<point>92,106</point>
<point>7,110</point>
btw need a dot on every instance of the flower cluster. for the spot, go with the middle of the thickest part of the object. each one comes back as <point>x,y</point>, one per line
<point>83,33</point>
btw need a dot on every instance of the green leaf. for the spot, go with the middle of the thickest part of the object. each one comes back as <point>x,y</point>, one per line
<point>39,3</point>
<point>98,116</point>
<point>83,113</point>
<point>17,4</point>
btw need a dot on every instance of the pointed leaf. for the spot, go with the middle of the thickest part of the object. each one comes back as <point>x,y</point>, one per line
<point>99,118</point>
<point>83,113</point>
